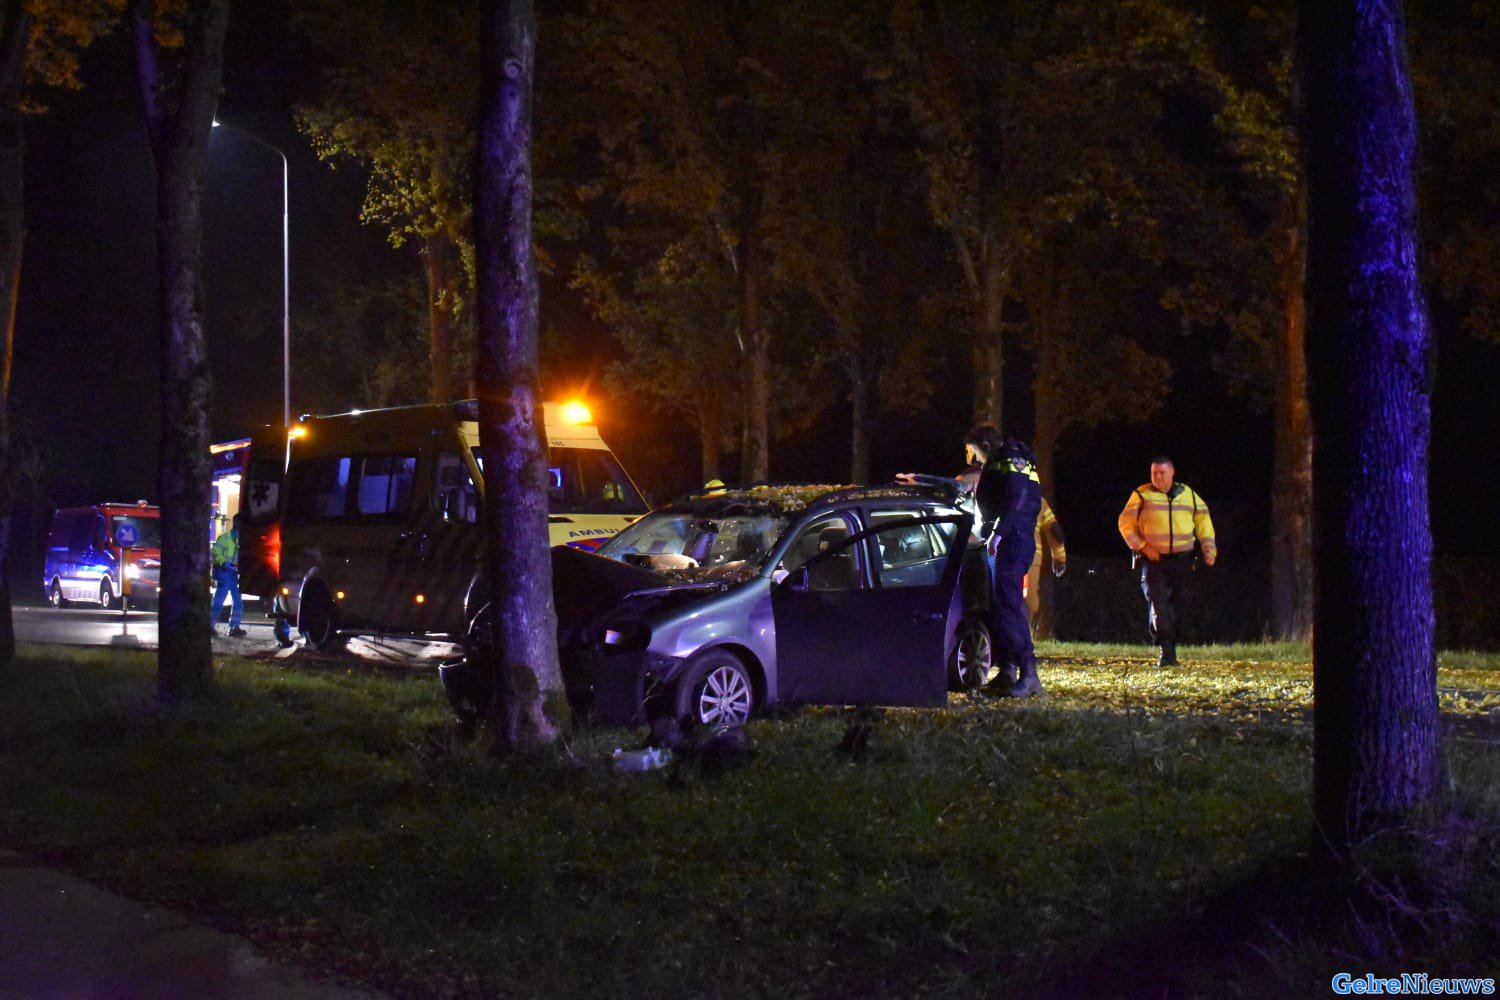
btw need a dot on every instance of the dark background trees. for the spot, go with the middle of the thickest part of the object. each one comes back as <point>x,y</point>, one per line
<point>398,84</point>
<point>1140,307</point>
<point>39,47</point>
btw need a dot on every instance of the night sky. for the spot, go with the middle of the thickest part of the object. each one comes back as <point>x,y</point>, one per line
<point>85,385</point>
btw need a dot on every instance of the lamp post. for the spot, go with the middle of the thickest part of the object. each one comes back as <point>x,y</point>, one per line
<point>286,274</point>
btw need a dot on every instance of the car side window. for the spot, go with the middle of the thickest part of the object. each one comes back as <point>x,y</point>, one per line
<point>839,571</point>
<point>911,554</point>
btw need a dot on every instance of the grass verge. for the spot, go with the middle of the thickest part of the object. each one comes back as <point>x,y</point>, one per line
<point>1135,823</point>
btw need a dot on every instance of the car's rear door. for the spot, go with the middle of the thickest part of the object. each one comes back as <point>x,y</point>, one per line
<point>882,638</point>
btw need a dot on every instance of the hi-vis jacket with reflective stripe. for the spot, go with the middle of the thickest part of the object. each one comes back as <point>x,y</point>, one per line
<point>1049,530</point>
<point>1169,521</point>
<point>1009,495</point>
<point>226,549</point>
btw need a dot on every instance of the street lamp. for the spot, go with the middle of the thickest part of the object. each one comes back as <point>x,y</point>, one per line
<point>286,275</point>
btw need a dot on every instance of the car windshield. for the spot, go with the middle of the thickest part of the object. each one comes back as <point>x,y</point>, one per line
<point>692,546</point>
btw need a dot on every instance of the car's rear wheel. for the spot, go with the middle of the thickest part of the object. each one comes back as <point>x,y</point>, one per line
<point>317,620</point>
<point>973,660</point>
<point>54,595</point>
<point>716,690</point>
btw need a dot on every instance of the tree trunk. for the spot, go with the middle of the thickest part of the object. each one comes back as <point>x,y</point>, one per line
<point>1046,298</point>
<point>438,254</point>
<point>1050,422</point>
<point>1291,493</point>
<point>13,33</point>
<point>755,342</point>
<point>989,342</point>
<point>710,434</point>
<point>179,114</point>
<point>1376,738</point>
<point>523,622</point>
<point>1047,302</point>
<point>861,413</point>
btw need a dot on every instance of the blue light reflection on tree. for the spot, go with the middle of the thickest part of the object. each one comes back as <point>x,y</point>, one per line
<point>1369,354</point>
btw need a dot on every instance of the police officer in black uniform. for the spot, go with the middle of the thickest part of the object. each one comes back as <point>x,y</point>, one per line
<point>1009,495</point>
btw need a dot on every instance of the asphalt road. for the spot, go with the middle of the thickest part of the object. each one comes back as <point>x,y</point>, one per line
<point>96,627</point>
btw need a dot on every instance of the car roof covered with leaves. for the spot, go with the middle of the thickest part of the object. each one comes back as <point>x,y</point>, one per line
<point>793,498</point>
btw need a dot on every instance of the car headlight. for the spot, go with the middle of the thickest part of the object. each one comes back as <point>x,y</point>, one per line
<point>627,635</point>
<point>132,572</point>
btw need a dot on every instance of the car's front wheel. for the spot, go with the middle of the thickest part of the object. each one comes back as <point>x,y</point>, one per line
<point>716,690</point>
<point>465,679</point>
<point>106,595</point>
<point>973,660</point>
<point>55,597</point>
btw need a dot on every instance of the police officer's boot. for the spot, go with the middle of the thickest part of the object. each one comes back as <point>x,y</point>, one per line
<point>1028,684</point>
<point>1168,655</point>
<point>1003,681</point>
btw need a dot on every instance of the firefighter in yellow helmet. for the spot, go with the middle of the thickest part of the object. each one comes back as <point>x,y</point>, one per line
<point>1049,533</point>
<point>1163,521</point>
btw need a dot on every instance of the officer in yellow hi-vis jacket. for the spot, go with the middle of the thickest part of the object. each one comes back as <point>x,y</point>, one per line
<point>1162,522</point>
<point>1049,533</point>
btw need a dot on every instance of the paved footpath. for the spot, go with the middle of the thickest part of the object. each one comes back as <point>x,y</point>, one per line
<point>64,938</point>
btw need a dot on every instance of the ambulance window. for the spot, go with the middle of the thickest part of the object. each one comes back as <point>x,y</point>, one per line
<point>454,488</point>
<point>586,481</point>
<point>385,483</point>
<point>318,489</point>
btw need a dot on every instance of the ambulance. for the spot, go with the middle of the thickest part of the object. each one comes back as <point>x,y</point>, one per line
<point>246,480</point>
<point>380,514</point>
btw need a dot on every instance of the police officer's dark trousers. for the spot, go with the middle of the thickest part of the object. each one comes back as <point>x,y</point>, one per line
<point>1010,619</point>
<point>1165,584</point>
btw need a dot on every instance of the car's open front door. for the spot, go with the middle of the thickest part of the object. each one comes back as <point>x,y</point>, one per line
<point>876,630</point>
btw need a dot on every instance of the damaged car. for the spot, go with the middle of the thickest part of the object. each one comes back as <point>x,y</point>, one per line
<point>721,605</point>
